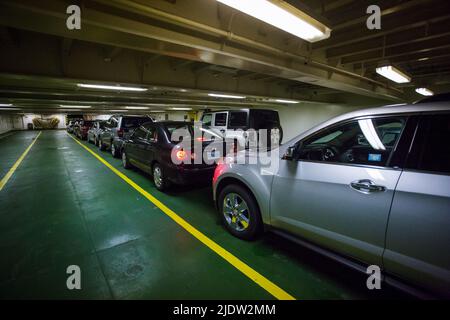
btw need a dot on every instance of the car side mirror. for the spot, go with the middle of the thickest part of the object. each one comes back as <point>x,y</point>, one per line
<point>289,154</point>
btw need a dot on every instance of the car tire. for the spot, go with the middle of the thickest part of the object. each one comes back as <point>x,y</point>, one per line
<point>114,151</point>
<point>240,212</point>
<point>101,146</point>
<point>125,162</point>
<point>159,178</point>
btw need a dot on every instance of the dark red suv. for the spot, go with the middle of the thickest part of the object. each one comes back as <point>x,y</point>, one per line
<point>81,128</point>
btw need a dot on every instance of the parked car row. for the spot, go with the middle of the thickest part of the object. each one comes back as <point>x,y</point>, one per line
<point>371,187</point>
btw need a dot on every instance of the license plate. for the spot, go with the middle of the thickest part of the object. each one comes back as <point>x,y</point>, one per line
<point>212,155</point>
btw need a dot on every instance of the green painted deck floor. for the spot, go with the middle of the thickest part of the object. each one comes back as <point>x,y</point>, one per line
<point>64,207</point>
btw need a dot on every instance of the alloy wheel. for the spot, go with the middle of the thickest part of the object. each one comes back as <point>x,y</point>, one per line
<point>157,177</point>
<point>124,160</point>
<point>236,212</point>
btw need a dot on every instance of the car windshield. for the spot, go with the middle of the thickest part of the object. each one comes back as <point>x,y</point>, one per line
<point>134,122</point>
<point>206,119</point>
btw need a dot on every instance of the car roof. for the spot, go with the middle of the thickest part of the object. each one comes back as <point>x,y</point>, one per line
<point>400,108</point>
<point>385,110</point>
<point>132,116</point>
<point>242,109</point>
<point>165,122</point>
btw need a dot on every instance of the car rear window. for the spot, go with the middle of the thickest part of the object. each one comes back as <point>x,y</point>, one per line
<point>182,128</point>
<point>134,122</point>
<point>220,119</point>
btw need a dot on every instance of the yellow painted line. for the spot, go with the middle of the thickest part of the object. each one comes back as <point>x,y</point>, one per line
<point>17,164</point>
<point>255,276</point>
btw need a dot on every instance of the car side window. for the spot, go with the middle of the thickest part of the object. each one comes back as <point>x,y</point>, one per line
<point>152,134</point>
<point>238,119</point>
<point>364,141</point>
<point>431,148</point>
<point>220,119</point>
<point>140,133</point>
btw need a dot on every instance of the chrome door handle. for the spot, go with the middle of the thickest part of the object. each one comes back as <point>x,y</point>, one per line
<point>366,186</point>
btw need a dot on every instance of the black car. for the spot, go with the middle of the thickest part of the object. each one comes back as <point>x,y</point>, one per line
<point>154,149</point>
<point>118,128</point>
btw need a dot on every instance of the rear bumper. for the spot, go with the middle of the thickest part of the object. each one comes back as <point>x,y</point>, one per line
<point>188,176</point>
<point>84,134</point>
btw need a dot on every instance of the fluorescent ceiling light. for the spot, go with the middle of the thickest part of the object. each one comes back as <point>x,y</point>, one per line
<point>392,73</point>
<point>371,134</point>
<point>137,108</point>
<point>181,109</point>
<point>424,91</point>
<point>70,110</point>
<point>6,109</point>
<point>283,16</point>
<point>77,107</point>
<point>217,95</point>
<point>284,101</point>
<point>108,87</point>
<point>157,111</point>
<point>5,105</point>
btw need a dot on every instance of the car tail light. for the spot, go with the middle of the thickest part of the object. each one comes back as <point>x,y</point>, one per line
<point>201,139</point>
<point>120,132</point>
<point>181,155</point>
<point>218,171</point>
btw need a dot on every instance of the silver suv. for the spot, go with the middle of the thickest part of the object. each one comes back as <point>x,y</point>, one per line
<point>371,187</point>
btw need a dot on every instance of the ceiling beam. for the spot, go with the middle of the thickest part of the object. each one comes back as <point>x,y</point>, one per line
<point>402,50</point>
<point>237,52</point>
<point>410,59</point>
<point>418,34</point>
<point>111,53</point>
<point>387,8</point>
<point>389,26</point>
